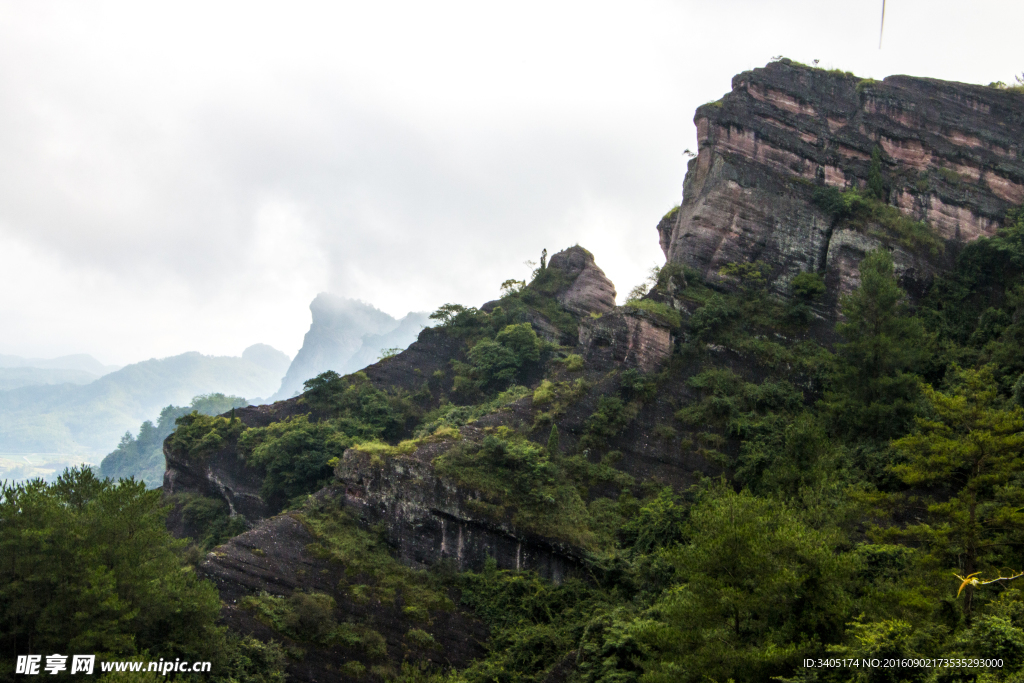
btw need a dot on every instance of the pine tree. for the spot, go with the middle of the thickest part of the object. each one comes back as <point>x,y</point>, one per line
<point>88,566</point>
<point>758,589</point>
<point>874,390</point>
<point>962,460</point>
<point>553,451</point>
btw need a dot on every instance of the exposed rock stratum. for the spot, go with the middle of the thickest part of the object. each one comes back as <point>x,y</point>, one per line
<point>951,156</point>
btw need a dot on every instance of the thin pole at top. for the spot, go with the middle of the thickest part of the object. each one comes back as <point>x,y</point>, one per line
<point>882,27</point>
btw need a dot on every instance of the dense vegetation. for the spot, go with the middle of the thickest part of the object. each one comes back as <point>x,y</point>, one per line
<point>852,504</point>
<point>858,479</point>
<point>863,479</point>
<point>88,567</point>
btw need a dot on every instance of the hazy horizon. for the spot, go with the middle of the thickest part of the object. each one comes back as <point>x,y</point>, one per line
<point>188,177</point>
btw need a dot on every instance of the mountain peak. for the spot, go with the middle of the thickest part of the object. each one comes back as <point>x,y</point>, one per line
<point>267,356</point>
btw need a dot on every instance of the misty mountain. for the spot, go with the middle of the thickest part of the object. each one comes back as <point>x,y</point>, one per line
<point>12,378</point>
<point>81,368</point>
<point>81,362</point>
<point>346,335</point>
<point>89,420</point>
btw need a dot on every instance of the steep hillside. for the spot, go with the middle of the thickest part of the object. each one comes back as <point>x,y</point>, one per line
<point>781,452</point>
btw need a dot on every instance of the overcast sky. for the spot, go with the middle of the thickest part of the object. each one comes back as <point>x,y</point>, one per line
<point>187,176</point>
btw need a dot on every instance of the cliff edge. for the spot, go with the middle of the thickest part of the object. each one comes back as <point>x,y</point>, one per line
<point>949,155</point>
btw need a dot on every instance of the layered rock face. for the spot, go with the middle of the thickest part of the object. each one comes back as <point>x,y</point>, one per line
<point>630,339</point>
<point>951,156</point>
<point>223,475</point>
<point>280,557</point>
<point>428,518</point>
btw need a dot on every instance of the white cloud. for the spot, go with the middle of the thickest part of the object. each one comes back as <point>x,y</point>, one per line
<point>189,175</point>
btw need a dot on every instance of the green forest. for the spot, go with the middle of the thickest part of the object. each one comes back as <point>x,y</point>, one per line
<point>863,497</point>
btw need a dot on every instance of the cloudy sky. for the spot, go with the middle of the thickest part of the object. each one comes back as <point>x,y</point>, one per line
<point>187,176</point>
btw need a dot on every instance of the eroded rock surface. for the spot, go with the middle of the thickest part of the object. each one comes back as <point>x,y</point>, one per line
<point>590,291</point>
<point>429,518</point>
<point>278,558</point>
<point>222,475</point>
<point>951,153</point>
<point>626,337</point>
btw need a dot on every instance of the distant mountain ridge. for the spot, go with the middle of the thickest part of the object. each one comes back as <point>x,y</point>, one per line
<point>80,368</point>
<point>13,378</point>
<point>89,420</point>
<point>81,362</point>
<point>346,335</point>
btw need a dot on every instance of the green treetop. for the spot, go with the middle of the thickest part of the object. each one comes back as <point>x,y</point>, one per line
<point>759,589</point>
<point>962,458</point>
<point>875,391</point>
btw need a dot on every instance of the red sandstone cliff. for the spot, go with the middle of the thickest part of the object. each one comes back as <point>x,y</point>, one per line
<point>951,156</point>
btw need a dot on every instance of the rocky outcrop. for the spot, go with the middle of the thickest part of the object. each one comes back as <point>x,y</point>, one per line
<point>279,557</point>
<point>221,475</point>
<point>428,518</point>
<point>625,337</point>
<point>952,155</point>
<point>345,336</point>
<point>225,476</point>
<point>590,290</point>
<point>573,278</point>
